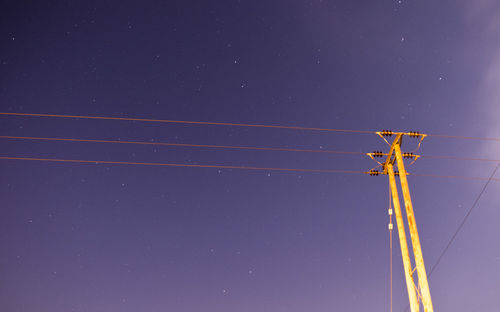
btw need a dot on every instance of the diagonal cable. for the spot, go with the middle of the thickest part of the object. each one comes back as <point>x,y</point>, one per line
<point>462,223</point>
<point>186,122</point>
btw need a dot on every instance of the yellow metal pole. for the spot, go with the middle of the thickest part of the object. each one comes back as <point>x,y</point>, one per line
<point>410,285</point>
<point>417,250</point>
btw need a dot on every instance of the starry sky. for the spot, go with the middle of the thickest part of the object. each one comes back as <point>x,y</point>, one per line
<point>86,237</point>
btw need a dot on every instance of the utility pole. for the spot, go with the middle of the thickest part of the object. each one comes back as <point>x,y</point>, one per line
<point>395,156</point>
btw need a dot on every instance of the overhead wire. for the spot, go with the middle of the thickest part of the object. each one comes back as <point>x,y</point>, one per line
<point>281,149</point>
<point>186,122</point>
<point>474,204</point>
<point>459,158</point>
<point>231,124</point>
<point>214,146</point>
<point>97,162</point>
<point>451,177</point>
<point>230,146</point>
<point>463,137</point>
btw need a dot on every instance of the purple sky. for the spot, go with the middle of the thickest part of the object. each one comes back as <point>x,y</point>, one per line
<point>133,238</point>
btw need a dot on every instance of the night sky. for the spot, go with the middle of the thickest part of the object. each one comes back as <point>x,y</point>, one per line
<point>87,237</point>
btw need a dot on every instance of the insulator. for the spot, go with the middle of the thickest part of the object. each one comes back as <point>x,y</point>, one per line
<point>386,133</point>
<point>374,172</point>
<point>390,226</point>
<point>408,155</point>
<point>390,212</point>
<point>413,134</point>
<point>396,173</point>
<point>377,154</point>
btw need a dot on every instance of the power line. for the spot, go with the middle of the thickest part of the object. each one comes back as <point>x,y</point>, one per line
<point>464,220</point>
<point>232,124</point>
<point>257,148</point>
<point>188,122</point>
<point>97,162</point>
<point>474,204</point>
<point>460,158</point>
<point>451,177</point>
<point>282,149</point>
<point>463,137</point>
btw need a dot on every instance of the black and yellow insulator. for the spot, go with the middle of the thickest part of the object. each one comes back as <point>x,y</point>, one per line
<point>386,132</point>
<point>374,172</point>
<point>408,155</point>
<point>396,173</point>
<point>377,154</point>
<point>413,134</point>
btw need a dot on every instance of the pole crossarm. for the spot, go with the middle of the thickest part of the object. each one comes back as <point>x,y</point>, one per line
<point>390,156</point>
